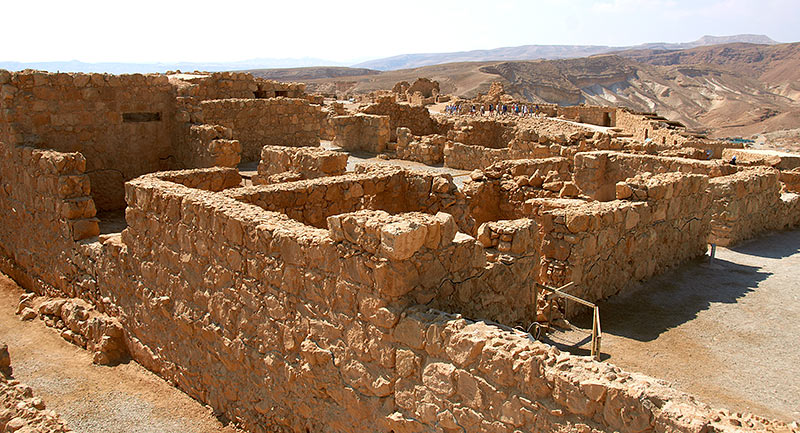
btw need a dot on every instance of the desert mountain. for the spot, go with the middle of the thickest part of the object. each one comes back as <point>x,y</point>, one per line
<point>726,90</point>
<point>545,52</point>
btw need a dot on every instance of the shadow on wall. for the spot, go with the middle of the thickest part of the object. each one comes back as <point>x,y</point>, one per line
<point>676,297</point>
<point>776,245</point>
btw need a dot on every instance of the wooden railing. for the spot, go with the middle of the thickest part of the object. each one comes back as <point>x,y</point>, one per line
<point>597,333</point>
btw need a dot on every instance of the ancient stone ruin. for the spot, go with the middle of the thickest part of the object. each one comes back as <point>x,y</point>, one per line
<point>326,292</point>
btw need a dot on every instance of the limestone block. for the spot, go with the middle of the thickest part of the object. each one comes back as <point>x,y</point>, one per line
<point>84,228</point>
<point>438,377</point>
<point>400,240</point>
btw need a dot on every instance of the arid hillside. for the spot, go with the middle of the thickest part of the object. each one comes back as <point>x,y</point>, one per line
<point>727,90</point>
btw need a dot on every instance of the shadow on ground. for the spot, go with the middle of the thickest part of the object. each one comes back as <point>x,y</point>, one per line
<point>776,245</point>
<point>673,298</point>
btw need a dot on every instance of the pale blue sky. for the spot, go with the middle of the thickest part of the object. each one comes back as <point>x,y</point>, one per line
<point>346,31</point>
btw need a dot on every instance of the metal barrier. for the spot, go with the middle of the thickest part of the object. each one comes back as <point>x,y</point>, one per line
<point>597,333</point>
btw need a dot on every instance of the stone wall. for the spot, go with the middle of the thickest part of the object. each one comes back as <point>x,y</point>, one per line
<point>121,124</point>
<point>22,411</point>
<point>596,173</point>
<point>595,115</point>
<point>364,132</point>
<point>465,157</point>
<point>500,191</point>
<point>748,203</point>
<point>230,85</point>
<point>263,122</point>
<point>288,163</point>
<point>282,326</point>
<point>770,158</point>
<point>791,180</point>
<point>428,149</point>
<point>417,119</point>
<point>493,134</point>
<point>206,146</point>
<point>45,204</point>
<point>603,247</point>
<point>385,188</point>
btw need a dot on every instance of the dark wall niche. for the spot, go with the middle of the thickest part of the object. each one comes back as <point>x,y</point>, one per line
<point>141,117</point>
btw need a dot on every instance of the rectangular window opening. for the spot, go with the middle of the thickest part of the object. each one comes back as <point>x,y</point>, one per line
<point>141,117</point>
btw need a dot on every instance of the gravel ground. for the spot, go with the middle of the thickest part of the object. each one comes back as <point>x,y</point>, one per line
<point>91,398</point>
<point>726,332</point>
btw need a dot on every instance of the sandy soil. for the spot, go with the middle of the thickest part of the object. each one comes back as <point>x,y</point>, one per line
<point>726,332</point>
<point>91,398</point>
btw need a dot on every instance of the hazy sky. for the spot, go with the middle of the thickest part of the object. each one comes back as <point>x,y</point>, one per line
<point>348,31</point>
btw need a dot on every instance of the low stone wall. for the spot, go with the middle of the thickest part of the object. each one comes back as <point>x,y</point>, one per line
<point>427,150</point>
<point>605,246</point>
<point>287,163</point>
<point>465,157</point>
<point>596,115</point>
<point>500,191</point>
<point>207,146</point>
<point>746,204</point>
<point>363,132</point>
<point>228,85</point>
<point>384,188</point>
<point>644,126</point>
<point>260,122</point>
<point>45,203</point>
<point>596,173</point>
<point>416,118</point>
<point>490,133</point>
<point>791,180</point>
<point>81,324</point>
<point>22,411</point>
<point>211,179</point>
<point>771,158</point>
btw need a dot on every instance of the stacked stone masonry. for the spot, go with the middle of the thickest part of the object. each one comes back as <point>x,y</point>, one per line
<point>416,118</point>
<point>279,164</point>
<point>748,203</point>
<point>362,132</point>
<point>265,122</point>
<point>313,322</point>
<point>121,124</point>
<point>359,301</point>
<point>20,410</point>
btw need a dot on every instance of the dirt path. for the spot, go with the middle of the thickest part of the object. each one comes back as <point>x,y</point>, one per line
<point>726,332</point>
<point>90,398</point>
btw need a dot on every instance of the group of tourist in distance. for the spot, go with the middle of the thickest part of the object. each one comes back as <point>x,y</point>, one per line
<point>491,109</point>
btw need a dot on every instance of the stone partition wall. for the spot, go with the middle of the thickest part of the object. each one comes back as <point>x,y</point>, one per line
<point>361,132</point>
<point>288,163</point>
<point>748,203</point>
<point>465,157</point>
<point>645,126</point>
<point>791,180</point>
<point>280,326</point>
<point>417,119</point>
<point>500,192</point>
<point>202,146</point>
<point>428,149</point>
<point>603,247</point>
<point>262,122</point>
<point>383,188</point>
<point>229,85</point>
<point>122,125</point>
<point>595,115</point>
<point>489,133</point>
<point>770,158</point>
<point>596,173</point>
<point>46,205</point>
